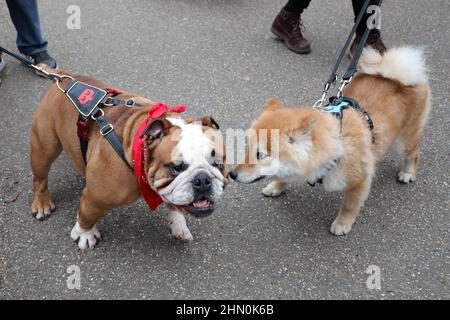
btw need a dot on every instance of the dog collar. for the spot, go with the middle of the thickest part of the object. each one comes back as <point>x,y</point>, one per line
<point>151,197</point>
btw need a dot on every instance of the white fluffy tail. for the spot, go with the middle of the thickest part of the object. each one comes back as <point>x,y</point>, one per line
<point>405,64</point>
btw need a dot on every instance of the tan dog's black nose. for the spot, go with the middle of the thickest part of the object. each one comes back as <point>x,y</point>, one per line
<point>233,175</point>
<point>202,182</point>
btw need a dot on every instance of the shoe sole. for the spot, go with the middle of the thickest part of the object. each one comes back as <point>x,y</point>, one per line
<point>283,37</point>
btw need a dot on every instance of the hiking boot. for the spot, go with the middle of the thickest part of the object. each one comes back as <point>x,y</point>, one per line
<point>287,26</point>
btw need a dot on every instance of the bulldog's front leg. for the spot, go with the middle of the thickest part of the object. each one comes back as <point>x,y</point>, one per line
<point>85,230</point>
<point>177,225</point>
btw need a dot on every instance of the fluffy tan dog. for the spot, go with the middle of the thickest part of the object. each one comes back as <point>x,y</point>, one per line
<point>316,146</point>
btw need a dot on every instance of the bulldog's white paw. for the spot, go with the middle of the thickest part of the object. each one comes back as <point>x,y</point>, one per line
<point>274,189</point>
<point>180,231</point>
<point>178,227</point>
<point>340,229</point>
<point>406,177</point>
<point>86,238</point>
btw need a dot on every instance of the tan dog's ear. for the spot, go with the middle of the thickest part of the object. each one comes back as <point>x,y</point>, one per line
<point>303,130</point>
<point>307,125</point>
<point>273,104</point>
<point>156,129</point>
<point>209,122</point>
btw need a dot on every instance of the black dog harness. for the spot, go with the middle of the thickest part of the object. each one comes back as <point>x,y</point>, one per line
<point>337,106</point>
<point>89,101</point>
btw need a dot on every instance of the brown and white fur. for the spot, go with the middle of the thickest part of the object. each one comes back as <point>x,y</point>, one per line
<point>178,150</point>
<point>393,88</point>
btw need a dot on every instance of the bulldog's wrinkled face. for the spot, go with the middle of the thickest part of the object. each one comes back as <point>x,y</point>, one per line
<point>186,163</point>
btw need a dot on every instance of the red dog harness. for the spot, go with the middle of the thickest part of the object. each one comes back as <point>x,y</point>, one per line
<point>138,153</point>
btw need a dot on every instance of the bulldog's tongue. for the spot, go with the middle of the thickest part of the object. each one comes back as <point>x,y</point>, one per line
<point>201,204</point>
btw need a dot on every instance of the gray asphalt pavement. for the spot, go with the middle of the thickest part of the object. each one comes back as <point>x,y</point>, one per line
<point>219,57</point>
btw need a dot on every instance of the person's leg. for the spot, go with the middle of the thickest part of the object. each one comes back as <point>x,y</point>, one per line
<point>357,6</point>
<point>296,6</point>
<point>25,17</point>
<point>374,39</point>
<point>30,42</point>
<point>287,26</point>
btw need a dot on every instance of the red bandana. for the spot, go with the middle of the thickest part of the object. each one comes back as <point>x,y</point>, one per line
<point>150,196</point>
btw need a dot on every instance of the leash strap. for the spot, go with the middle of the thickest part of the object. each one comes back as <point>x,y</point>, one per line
<point>333,76</point>
<point>110,101</point>
<point>107,131</point>
<point>352,68</point>
<point>52,76</point>
<point>21,58</point>
<point>88,100</point>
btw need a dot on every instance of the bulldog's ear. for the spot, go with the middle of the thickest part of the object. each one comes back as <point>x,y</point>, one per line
<point>273,104</point>
<point>156,129</point>
<point>210,122</point>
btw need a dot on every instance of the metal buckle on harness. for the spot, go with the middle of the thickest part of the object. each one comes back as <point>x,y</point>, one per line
<point>107,103</point>
<point>106,129</point>
<point>342,85</point>
<point>102,113</point>
<point>130,103</point>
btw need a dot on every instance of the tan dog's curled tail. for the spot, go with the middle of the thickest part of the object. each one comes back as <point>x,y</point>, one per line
<point>405,64</point>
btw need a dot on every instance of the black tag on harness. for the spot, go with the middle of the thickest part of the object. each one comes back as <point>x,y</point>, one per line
<point>85,97</point>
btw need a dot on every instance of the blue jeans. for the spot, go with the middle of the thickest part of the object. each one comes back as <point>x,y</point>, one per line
<point>25,17</point>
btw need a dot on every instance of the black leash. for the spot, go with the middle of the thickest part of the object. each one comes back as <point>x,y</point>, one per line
<point>89,101</point>
<point>337,104</point>
<point>352,68</point>
<point>30,64</point>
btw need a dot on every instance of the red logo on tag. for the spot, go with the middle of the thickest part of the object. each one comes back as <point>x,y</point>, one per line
<point>86,96</point>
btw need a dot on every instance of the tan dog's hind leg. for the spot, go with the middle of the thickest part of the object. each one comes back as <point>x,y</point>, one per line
<point>408,170</point>
<point>45,148</point>
<point>412,134</point>
<point>354,198</point>
<point>274,189</point>
<point>85,230</point>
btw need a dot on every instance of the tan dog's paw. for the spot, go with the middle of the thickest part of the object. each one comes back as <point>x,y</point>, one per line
<point>340,229</point>
<point>406,177</point>
<point>180,231</point>
<point>274,189</point>
<point>86,238</point>
<point>42,207</point>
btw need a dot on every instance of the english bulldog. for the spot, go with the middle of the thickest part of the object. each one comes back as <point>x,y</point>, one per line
<point>183,162</point>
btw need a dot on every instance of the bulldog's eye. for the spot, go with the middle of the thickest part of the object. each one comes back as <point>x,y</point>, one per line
<point>176,169</point>
<point>260,155</point>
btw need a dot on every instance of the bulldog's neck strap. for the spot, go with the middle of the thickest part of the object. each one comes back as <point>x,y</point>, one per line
<point>150,196</point>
